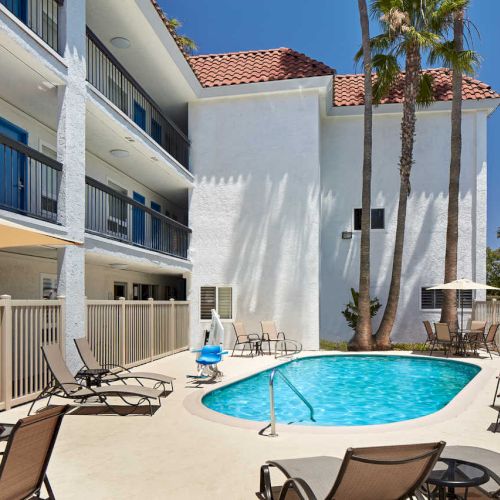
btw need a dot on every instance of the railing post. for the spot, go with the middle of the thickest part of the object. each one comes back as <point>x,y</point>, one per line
<point>493,310</point>
<point>6,368</point>
<point>62,327</point>
<point>121,319</point>
<point>171,325</point>
<point>151,327</point>
<point>271,403</point>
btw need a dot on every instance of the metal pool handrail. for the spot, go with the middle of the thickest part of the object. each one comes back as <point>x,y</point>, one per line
<point>271,399</point>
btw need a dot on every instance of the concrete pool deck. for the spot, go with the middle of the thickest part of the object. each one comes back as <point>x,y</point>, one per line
<point>180,455</point>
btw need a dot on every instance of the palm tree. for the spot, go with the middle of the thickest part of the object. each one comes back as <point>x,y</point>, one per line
<point>363,339</point>
<point>186,43</point>
<point>461,61</point>
<point>410,29</point>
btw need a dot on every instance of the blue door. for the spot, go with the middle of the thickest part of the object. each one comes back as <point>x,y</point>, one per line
<point>139,221</point>
<point>156,227</point>
<point>139,115</point>
<point>18,7</point>
<point>12,168</point>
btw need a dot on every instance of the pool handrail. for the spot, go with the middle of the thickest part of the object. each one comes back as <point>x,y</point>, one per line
<point>272,403</point>
<point>281,345</point>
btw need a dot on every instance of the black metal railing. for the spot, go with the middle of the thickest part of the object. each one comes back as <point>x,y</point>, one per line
<point>110,78</point>
<point>29,180</point>
<point>41,16</point>
<point>113,215</point>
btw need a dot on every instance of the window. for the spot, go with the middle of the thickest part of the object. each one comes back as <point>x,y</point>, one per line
<point>156,131</point>
<point>433,299</point>
<point>377,218</point>
<point>218,298</point>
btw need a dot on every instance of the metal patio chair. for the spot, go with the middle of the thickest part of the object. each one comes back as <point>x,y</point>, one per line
<point>444,338</point>
<point>27,455</point>
<point>270,333</point>
<point>243,338</point>
<point>382,473</point>
<point>431,336</point>
<point>487,341</point>
<point>64,385</point>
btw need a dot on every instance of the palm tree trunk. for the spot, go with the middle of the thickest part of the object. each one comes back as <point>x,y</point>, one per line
<point>408,122</point>
<point>363,339</point>
<point>449,310</point>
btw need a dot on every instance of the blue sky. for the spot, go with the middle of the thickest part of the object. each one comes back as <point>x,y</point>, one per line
<point>328,30</point>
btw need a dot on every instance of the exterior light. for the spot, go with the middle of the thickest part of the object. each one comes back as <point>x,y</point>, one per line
<point>118,266</point>
<point>120,153</point>
<point>346,235</point>
<point>120,42</point>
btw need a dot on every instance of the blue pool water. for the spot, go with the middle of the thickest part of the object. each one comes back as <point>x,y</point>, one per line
<point>348,390</point>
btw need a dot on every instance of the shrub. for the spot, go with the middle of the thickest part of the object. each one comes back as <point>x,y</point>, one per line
<point>351,311</point>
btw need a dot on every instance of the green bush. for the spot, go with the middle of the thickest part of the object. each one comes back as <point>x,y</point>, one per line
<point>351,311</point>
<point>327,345</point>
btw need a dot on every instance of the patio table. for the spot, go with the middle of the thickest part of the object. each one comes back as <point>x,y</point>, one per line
<point>450,474</point>
<point>93,376</point>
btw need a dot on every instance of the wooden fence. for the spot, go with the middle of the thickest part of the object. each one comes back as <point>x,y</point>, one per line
<point>24,326</point>
<point>131,332</point>
<point>119,331</point>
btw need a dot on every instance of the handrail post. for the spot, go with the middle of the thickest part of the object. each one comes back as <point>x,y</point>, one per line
<point>273,432</point>
<point>151,327</point>
<point>6,331</point>
<point>121,319</point>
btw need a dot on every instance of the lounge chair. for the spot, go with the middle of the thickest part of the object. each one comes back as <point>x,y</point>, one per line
<point>26,457</point>
<point>486,458</point>
<point>487,341</point>
<point>64,385</point>
<point>382,473</point>
<point>444,338</point>
<point>270,333</point>
<point>117,372</point>
<point>243,338</point>
<point>431,336</point>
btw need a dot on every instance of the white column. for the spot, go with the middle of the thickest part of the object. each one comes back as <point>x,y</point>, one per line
<point>71,153</point>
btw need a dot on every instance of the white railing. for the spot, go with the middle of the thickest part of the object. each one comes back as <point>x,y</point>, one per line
<point>131,332</point>
<point>489,311</point>
<point>24,326</point>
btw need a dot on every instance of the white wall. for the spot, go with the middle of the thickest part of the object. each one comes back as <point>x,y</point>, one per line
<point>254,210</point>
<point>423,264</point>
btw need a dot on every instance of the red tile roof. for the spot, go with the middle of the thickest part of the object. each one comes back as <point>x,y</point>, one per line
<point>216,70</point>
<point>349,89</point>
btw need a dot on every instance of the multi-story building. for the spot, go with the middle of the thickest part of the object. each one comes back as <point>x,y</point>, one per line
<point>230,180</point>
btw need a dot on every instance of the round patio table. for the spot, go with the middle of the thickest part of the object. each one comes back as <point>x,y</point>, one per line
<point>451,473</point>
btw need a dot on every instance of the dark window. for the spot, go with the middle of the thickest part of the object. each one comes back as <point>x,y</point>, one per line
<point>377,218</point>
<point>207,302</point>
<point>156,131</point>
<point>433,299</point>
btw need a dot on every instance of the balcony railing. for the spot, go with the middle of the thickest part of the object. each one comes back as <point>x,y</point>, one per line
<point>110,78</point>
<point>116,216</point>
<point>41,16</point>
<point>29,180</point>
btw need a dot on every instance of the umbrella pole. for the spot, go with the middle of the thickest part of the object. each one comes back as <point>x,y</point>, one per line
<point>462,308</point>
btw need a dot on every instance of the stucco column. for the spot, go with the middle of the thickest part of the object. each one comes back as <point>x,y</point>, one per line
<point>71,153</point>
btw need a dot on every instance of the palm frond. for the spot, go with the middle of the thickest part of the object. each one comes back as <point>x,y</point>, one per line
<point>465,61</point>
<point>388,70</point>
<point>425,96</point>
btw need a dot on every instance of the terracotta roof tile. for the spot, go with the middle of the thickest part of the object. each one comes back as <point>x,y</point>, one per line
<point>234,68</point>
<point>349,89</point>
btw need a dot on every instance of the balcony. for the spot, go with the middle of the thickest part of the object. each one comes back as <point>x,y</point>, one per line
<point>29,181</point>
<point>112,80</point>
<point>116,216</point>
<point>40,16</point>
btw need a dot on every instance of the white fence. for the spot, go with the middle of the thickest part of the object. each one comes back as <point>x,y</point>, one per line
<point>119,331</point>
<point>130,332</point>
<point>24,326</point>
<point>489,311</point>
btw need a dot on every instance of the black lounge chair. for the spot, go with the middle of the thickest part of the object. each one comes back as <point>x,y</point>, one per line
<point>64,385</point>
<point>117,372</point>
<point>382,473</point>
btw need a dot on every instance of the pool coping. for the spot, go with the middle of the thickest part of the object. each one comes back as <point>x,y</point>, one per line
<point>194,405</point>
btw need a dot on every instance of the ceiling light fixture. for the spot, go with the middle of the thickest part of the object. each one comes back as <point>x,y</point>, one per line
<point>120,42</point>
<point>121,267</point>
<point>120,153</point>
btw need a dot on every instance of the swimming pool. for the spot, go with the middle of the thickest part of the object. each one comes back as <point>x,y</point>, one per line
<point>347,390</point>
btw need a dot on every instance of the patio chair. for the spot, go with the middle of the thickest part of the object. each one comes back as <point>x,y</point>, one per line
<point>382,473</point>
<point>431,336</point>
<point>64,385</point>
<point>496,395</point>
<point>26,457</point>
<point>484,457</point>
<point>118,372</point>
<point>444,338</point>
<point>270,333</point>
<point>244,339</point>
<point>487,341</point>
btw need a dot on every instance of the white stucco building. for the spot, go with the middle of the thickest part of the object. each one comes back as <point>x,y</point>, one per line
<point>227,180</point>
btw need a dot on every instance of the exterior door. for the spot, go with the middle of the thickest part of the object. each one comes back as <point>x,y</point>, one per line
<point>139,115</point>
<point>12,168</point>
<point>18,7</point>
<point>139,221</point>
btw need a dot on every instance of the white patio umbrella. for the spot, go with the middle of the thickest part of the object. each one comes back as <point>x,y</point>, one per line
<point>462,284</point>
<point>15,235</point>
<point>216,336</point>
